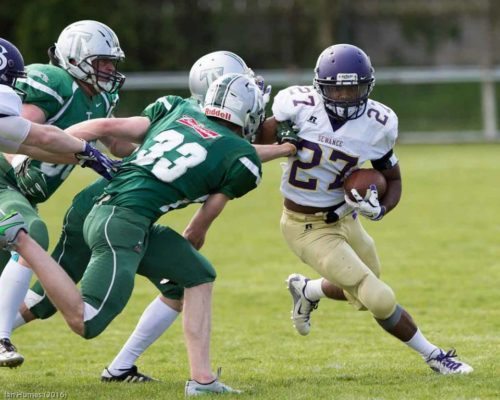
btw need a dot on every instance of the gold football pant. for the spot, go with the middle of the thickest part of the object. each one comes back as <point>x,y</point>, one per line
<point>344,254</point>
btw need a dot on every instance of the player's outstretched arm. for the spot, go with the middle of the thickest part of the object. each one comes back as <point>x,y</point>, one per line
<point>50,139</point>
<point>131,129</point>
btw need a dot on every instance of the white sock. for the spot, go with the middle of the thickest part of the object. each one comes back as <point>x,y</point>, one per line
<point>155,320</point>
<point>18,321</point>
<point>14,283</point>
<point>419,343</point>
<point>313,290</point>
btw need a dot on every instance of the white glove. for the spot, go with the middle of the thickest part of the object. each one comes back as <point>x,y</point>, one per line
<point>369,207</point>
<point>266,90</point>
<point>267,94</point>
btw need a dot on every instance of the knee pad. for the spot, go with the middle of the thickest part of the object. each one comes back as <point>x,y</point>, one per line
<point>377,297</point>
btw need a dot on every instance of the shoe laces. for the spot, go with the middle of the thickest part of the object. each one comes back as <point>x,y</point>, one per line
<point>7,344</point>
<point>447,359</point>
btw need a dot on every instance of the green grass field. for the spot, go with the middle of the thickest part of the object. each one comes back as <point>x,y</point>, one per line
<point>440,253</point>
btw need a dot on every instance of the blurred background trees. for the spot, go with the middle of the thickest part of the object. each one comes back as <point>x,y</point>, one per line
<point>160,35</point>
<point>169,35</point>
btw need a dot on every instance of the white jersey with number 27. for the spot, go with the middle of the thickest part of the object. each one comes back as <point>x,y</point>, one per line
<point>314,177</point>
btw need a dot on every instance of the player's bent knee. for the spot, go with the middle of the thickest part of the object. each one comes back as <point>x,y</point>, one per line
<point>377,296</point>
<point>95,321</point>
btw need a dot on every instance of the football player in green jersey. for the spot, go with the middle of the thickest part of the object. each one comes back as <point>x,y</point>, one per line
<point>73,254</point>
<point>81,83</point>
<point>186,156</point>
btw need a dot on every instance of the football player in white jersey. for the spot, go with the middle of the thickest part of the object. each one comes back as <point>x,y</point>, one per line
<point>340,128</point>
<point>19,135</point>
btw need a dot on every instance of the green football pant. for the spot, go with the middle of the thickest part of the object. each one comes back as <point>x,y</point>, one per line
<point>170,262</point>
<point>12,200</point>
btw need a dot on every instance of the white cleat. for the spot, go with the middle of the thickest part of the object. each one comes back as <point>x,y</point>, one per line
<point>447,363</point>
<point>194,388</point>
<point>302,306</point>
<point>9,357</point>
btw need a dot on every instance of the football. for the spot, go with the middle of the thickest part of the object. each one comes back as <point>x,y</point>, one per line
<point>361,181</point>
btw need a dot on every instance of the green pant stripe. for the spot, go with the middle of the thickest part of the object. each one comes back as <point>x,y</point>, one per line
<point>64,235</point>
<point>114,262</point>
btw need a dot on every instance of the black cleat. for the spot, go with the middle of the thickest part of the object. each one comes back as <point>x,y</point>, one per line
<point>129,376</point>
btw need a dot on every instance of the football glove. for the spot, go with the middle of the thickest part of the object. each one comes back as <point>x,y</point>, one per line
<point>100,163</point>
<point>287,132</point>
<point>31,182</point>
<point>369,206</point>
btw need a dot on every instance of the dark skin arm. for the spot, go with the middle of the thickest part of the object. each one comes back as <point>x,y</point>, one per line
<point>267,132</point>
<point>394,188</point>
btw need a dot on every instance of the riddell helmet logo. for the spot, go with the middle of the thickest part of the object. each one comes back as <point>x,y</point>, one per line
<point>215,112</point>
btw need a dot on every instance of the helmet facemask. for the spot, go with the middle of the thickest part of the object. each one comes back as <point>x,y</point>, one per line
<point>101,80</point>
<point>344,101</point>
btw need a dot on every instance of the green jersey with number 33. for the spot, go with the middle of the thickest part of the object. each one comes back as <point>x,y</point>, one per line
<point>184,158</point>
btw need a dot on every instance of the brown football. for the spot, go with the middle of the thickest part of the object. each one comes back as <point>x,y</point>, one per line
<point>362,179</point>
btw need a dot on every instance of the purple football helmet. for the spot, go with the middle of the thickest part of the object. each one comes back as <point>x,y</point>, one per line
<point>344,77</point>
<point>11,64</point>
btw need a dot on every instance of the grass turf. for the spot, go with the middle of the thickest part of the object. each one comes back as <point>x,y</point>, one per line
<point>439,251</point>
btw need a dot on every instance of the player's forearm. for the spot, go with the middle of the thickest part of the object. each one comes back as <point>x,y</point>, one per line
<point>52,139</point>
<point>42,155</point>
<point>130,129</point>
<point>394,188</point>
<point>198,227</point>
<point>268,152</point>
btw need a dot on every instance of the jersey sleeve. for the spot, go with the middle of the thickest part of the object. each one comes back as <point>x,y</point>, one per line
<point>243,175</point>
<point>10,102</point>
<point>282,105</point>
<point>161,107</point>
<point>295,104</point>
<point>384,129</point>
<point>45,88</point>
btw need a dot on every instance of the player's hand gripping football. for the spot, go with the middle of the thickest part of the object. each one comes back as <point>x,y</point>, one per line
<point>93,158</point>
<point>287,132</point>
<point>369,206</point>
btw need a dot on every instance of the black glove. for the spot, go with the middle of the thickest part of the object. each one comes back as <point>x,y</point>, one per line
<point>287,132</point>
<point>93,158</point>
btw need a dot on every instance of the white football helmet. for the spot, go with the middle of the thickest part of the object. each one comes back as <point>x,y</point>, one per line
<point>236,98</point>
<point>209,67</point>
<point>83,42</point>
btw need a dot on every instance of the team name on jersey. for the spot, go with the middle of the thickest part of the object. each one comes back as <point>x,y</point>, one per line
<point>329,140</point>
<point>204,132</point>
